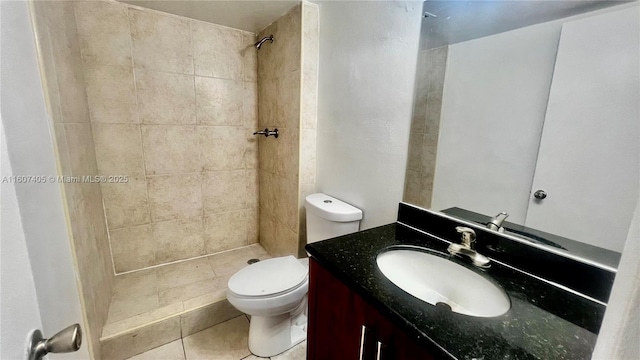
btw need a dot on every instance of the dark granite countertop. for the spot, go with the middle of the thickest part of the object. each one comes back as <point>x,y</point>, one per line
<point>544,322</point>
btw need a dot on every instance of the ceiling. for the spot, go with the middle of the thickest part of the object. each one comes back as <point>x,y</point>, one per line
<point>249,15</point>
<point>458,21</point>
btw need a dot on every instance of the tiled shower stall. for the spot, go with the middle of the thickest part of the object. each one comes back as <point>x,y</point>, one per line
<point>165,108</point>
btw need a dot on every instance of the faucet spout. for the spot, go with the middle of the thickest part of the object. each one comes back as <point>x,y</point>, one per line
<point>466,249</point>
<point>496,222</point>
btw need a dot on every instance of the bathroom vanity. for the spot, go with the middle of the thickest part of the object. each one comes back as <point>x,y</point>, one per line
<point>355,312</point>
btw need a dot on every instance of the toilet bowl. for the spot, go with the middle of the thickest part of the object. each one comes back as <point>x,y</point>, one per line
<point>274,293</point>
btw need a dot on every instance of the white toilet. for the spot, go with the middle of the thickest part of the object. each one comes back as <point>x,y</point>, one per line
<point>274,291</point>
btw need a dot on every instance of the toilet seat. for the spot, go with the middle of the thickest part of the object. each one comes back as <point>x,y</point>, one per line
<point>268,278</point>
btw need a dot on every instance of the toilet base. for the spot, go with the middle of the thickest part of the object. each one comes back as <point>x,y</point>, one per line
<point>273,335</point>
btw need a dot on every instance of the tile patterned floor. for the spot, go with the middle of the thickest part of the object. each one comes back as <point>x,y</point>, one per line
<point>226,341</point>
<point>144,296</point>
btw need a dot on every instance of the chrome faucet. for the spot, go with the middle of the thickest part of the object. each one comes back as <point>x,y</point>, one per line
<point>466,248</point>
<point>496,222</point>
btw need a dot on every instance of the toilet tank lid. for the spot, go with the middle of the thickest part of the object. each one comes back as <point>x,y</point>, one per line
<point>332,209</point>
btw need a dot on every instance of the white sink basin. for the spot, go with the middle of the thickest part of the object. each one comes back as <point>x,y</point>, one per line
<point>437,280</point>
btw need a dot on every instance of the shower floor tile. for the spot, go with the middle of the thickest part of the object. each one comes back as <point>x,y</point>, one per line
<point>148,295</point>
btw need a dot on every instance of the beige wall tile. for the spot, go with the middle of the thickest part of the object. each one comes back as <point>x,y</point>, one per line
<point>253,226</point>
<point>288,104</point>
<point>65,50</point>
<point>249,57</point>
<point>111,94</point>
<point>118,149</point>
<point>103,28</point>
<point>250,105</point>
<point>165,98</point>
<point>219,101</point>
<point>170,351</point>
<point>161,42</point>
<point>287,152</point>
<point>217,51</point>
<point>224,191</point>
<point>178,239</point>
<point>170,149</point>
<point>267,231</point>
<point>126,204</point>
<point>267,190</point>
<point>182,273</point>
<point>309,103</point>
<point>206,317</point>
<point>141,339</point>
<point>82,155</point>
<point>253,188</point>
<point>268,153</point>
<point>286,203</point>
<point>222,147</point>
<point>267,100</point>
<point>50,81</point>
<point>174,197</point>
<point>132,247</point>
<point>224,231</point>
<point>286,241</point>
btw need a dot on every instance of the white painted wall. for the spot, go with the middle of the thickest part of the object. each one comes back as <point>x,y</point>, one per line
<point>368,55</point>
<point>19,312</point>
<point>494,101</point>
<point>31,152</point>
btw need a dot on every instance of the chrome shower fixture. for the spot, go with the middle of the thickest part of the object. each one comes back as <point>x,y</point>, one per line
<point>258,45</point>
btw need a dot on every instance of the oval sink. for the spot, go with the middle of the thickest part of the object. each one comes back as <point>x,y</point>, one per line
<point>437,280</point>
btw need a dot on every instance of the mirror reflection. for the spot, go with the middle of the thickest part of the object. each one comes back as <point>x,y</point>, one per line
<point>526,120</point>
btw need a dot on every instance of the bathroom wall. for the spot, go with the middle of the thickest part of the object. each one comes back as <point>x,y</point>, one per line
<point>279,79</point>
<point>287,72</point>
<point>173,104</point>
<point>425,126</point>
<point>367,69</point>
<point>65,94</point>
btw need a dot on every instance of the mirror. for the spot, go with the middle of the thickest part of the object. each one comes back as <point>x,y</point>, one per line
<point>530,108</point>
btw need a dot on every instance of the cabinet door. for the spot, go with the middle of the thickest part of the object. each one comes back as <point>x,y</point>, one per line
<point>588,160</point>
<point>336,317</point>
<point>343,326</point>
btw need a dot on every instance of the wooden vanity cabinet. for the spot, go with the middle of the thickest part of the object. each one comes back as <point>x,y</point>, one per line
<point>343,326</point>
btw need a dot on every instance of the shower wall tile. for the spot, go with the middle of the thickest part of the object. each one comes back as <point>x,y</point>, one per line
<point>249,57</point>
<point>250,105</point>
<point>224,231</point>
<point>126,204</point>
<point>219,101</point>
<point>173,105</point>
<point>118,149</point>
<point>217,51</point>
<point>170,149</point>
<point>132,247</point>
<point>104,32</point>
<point>222,147</point>
<point>165,98</point>
<point>308,156</point>
<point>178,239</point>
<point>175,197</point>
<point>224,191</point>
<point>111,93</point>
<point>67,61</point>
<point>65,94</point>
<point>425,124</point>
<point>161,42</point>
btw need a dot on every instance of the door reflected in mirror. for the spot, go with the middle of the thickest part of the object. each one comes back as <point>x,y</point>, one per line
<point>536,116</point>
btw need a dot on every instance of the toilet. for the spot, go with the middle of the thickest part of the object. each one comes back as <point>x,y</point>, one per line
<point>274,291</point>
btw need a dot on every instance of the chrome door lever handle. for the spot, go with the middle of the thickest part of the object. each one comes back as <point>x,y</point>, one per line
<point>67,340</point>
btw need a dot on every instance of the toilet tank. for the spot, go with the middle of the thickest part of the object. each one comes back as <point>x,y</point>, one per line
<point>328,217</point>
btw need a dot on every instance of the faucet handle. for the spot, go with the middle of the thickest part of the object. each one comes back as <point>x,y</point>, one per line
<point>468,235</point>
